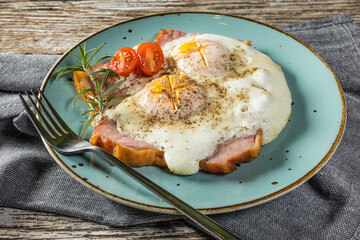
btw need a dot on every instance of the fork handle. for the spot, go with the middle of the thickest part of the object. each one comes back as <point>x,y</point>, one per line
<point>205,222</point>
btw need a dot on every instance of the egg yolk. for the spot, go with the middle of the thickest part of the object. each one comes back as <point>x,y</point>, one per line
<point>172,96</point>
<point>193,46</point>
<point>201,56</point>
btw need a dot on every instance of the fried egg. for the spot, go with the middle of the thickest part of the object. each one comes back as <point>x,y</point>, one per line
<point>217,89</point>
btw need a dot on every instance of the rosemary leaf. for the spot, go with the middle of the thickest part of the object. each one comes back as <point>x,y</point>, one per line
<point>100,70</point>
<point>96,51</point>
<point>115,100</point>
<point>82,93</point>
<point>75,68</point>
<point>82,52</point>
<point>87,61</point>
<point>91,97</point>
<point>97,86</point>
<point>105,79</point>
<point>88,102</point>
<point>114,73</point>
<point>88,111</point>
<point>87,124</point>
<point>100,59</point>
<point>113,87</point>
<point>92,105</point>
<point>63,73</point>
<point>75,56</point>
<point>89,51</point>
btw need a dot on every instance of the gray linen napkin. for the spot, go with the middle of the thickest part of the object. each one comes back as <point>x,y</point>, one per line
<point>326,207</point>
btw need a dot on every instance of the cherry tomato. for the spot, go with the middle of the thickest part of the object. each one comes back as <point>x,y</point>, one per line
<point>151,58</point>
<point>126,60</point>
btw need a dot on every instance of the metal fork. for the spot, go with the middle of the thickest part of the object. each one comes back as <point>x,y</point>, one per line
<point>60,137</point>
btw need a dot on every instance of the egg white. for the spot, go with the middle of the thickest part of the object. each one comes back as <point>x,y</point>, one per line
<point>250,94</point>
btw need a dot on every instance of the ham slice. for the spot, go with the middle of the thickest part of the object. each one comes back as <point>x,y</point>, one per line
<point>139,154</point>
<point>167,35</point>
<point>126,149</point>
<point>233,152</point>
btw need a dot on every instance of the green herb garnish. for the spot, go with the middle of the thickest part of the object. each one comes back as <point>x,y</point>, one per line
<point>100,101</point>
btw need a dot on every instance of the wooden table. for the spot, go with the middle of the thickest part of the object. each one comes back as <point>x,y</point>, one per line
<point>51,27</point>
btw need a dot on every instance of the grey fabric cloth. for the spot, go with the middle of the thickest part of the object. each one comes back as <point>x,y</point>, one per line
<point>325,207</point>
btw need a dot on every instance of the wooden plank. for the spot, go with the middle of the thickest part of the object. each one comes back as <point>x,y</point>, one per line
<point>23,224</point>
<point>42,26</point>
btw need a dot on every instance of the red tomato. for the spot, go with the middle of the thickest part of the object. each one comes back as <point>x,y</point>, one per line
<point>126,60</point>
<point>151,58</point>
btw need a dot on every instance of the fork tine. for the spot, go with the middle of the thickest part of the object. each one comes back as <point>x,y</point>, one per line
<point>48,116</point>
<point>43,119</point>
<point>63,125</point>
<point>39,127</point>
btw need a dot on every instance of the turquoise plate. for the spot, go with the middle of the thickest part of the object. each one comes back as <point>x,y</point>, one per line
<point>303,147</point>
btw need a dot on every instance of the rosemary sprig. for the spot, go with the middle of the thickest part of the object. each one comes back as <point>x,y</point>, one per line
<point>100,101</point>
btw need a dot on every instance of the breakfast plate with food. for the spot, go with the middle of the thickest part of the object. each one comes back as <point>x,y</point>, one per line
<point>222,111</point>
